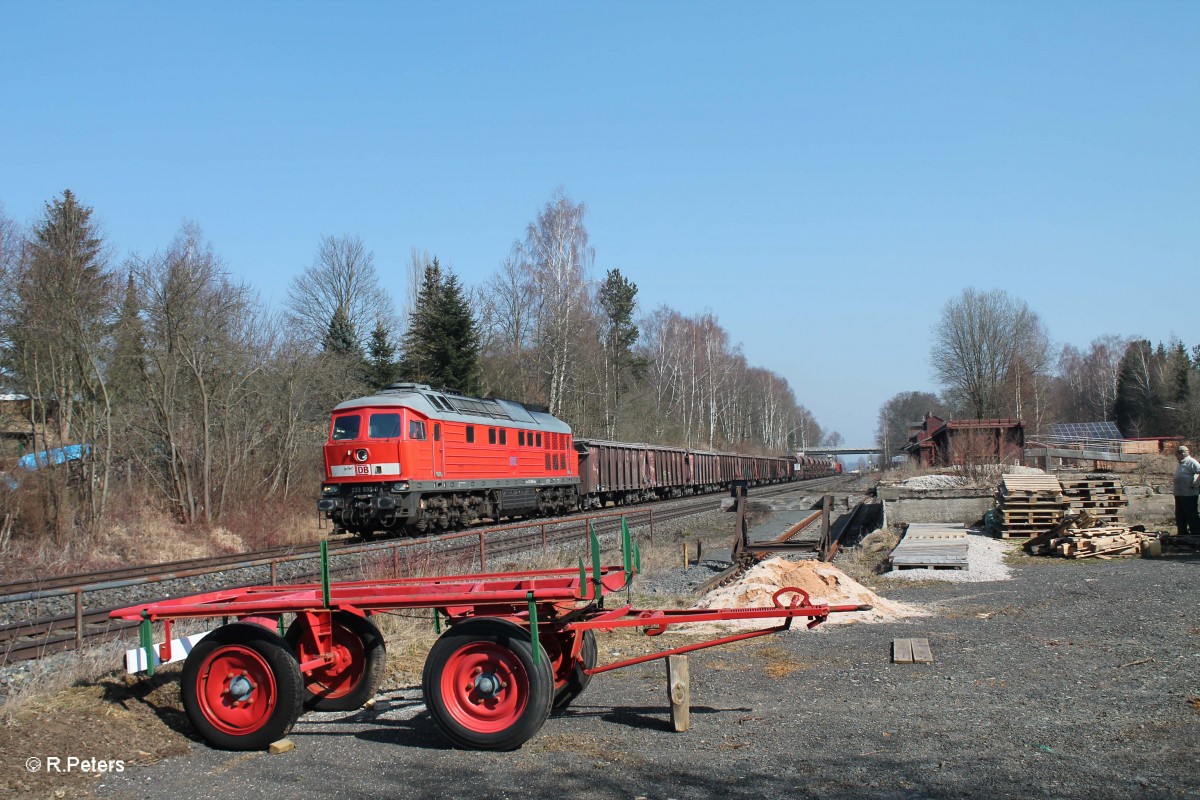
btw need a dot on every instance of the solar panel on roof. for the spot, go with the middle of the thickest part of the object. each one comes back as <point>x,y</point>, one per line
<point>1085,430</point>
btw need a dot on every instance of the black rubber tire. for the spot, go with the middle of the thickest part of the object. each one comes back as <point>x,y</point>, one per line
<point>578,679</point>
<point>277,656</point>
<point>374,652</point>
<point>501,636</point>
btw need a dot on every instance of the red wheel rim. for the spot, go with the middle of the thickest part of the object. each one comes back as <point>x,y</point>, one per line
<point>485,687</point>
<point>338,677</point>
<point>558,650</point>
<point>235,689</point>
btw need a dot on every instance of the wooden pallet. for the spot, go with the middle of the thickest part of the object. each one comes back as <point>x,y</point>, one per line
<point>1070,484</point>
<point>1030,484</point>
<point>1029,500</point>
<point>931,546</point>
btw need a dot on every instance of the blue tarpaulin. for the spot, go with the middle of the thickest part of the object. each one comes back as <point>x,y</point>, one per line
<point>54,457</point>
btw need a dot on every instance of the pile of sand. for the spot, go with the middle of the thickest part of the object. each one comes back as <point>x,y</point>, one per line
<point>824,583</point>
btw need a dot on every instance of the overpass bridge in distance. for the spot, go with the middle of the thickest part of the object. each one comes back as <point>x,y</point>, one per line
<point>842,451</point>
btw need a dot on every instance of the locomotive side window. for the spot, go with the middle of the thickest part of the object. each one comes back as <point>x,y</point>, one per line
<point>539,440</point>
<point>416,429</point>
<point>384,426</point>
<point>491,435</point>
<point>503,436</point>
<point>470,434</point>
<point>346,427</point>
<point>437,431</point>
<point>520,438</point>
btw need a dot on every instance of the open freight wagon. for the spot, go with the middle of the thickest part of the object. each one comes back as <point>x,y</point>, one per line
<point>516,646</point>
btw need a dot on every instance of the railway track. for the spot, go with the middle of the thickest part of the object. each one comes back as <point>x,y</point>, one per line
<point>88,619</point>
<point>824,548</point>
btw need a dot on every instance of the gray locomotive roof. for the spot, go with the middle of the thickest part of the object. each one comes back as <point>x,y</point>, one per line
<point>443,405</point>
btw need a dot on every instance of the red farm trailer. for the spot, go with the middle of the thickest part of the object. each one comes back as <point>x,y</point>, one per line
<point>516,646</point>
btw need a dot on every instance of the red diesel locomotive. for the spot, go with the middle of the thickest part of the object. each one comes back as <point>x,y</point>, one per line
<point>414,459</point>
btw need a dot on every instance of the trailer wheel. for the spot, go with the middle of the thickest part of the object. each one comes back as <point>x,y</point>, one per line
<point>241,687</point>
<point>576,680</point>
<point>351,679</point>
<point>482,687</point>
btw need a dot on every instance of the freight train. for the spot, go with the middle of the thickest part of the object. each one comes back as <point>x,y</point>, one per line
<point>412,459</point>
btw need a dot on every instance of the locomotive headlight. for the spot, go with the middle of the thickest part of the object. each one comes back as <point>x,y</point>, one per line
<point>329,488</point>
<point>361,455</point>
<point>402,486</point>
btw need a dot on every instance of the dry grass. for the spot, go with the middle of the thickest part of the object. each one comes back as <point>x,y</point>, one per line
<point>868,558</point>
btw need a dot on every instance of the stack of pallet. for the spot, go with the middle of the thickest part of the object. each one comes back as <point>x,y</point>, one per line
<point>1104,542</point>
<point>1102,498</point>
<point>1030,504</point>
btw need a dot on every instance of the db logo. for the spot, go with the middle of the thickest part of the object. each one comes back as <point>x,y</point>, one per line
<point>362,469</point>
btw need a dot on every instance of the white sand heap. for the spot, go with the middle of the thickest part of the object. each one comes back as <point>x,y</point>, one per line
<point>824,583</point>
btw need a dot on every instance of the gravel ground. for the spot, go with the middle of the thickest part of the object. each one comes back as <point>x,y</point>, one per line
<point>1071,680</point>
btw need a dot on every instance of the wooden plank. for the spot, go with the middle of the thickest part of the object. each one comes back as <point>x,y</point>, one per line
<point>902,651</point>
<point>921,652</point>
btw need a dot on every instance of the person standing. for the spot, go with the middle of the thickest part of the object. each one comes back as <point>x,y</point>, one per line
<point>1187,517</point>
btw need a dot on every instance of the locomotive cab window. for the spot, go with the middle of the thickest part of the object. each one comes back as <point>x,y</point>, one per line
<point>346,427</point>
<point>437,431</point>
<point>384,426</point>
<point>416,429</point>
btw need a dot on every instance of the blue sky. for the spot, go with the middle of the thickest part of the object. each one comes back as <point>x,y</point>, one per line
<point>823,177</point>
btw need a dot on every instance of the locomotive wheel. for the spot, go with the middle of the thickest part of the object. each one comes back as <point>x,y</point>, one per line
<point>359,658</point>
<point>241,687</point>
<point>570,678</point>
<point>482,687</point>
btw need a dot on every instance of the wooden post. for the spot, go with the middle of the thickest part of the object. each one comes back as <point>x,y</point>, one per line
<point>78,619</point>
<point>823,547</point>
<point>679,689</point>
<point>685,555</point>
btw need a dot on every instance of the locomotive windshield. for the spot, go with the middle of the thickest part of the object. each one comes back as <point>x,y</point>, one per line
<point>384,426</point>
<point>346,427</point>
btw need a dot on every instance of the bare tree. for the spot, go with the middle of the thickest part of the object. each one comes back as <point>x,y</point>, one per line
<point>558,258</point>
<point>898,415</point>
<point>1089,380</point>
<point>984,342</point>
<point>200,354</point>
<point>342,275</point>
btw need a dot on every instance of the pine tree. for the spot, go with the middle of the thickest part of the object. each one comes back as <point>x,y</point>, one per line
<point>342,339</point>
<point>418,363</point>
<point>459,336</point>
<point>617,299</point>
<point>441,346</point>
<point>382,367</point>
<point>129,345</point>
